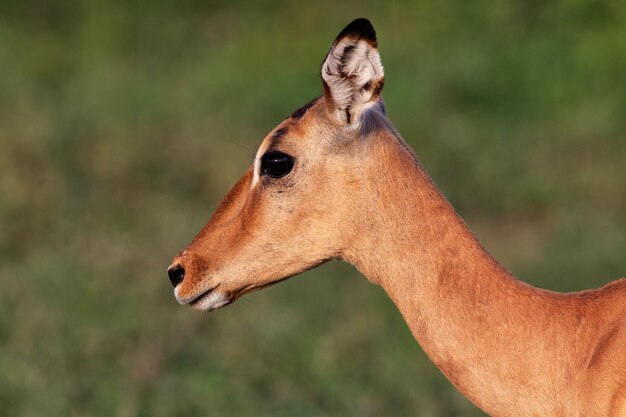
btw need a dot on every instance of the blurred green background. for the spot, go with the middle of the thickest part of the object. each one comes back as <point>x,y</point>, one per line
<point>122,123</point>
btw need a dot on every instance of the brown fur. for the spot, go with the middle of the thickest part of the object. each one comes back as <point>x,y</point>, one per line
<point>358,193</point>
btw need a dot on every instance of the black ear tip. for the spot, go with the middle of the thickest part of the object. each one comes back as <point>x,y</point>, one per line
<point>360,28</point>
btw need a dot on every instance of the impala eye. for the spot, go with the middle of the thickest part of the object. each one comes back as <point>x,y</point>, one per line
<point>276,164</point>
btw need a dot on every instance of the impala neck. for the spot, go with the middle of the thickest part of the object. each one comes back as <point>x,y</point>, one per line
<point>475,321</point>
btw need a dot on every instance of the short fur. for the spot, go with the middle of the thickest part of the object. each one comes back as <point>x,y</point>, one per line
<point>362,196</point>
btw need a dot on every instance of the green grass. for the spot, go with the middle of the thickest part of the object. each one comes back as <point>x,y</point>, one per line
<point>122,123</point>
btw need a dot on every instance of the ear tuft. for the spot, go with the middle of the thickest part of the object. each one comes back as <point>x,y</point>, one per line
<point>360,28</point>
<point>352,72</point>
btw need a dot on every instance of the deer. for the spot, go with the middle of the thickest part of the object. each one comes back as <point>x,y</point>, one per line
<point>335,180</point>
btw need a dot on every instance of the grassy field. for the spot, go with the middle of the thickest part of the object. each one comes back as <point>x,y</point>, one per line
<point>122,123</point>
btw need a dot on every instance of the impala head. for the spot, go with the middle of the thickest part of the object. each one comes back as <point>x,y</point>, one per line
<point>297,205</point>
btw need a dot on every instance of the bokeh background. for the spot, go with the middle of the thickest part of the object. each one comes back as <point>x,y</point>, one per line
<point>122,123</point>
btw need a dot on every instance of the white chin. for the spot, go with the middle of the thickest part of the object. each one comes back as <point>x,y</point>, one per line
<point>211,301</point>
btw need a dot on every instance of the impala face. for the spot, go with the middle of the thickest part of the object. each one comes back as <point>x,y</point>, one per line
<point>290,212</point>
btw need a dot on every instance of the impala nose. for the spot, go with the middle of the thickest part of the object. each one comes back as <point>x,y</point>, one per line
<point>176,273</point>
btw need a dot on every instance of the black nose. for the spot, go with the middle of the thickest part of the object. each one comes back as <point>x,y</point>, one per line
<point>176,273</point>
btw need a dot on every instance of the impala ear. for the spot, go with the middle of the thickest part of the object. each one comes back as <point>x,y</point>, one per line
<point>352,72</point>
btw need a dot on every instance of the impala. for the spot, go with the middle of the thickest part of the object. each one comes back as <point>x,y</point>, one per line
<point>336,181</point>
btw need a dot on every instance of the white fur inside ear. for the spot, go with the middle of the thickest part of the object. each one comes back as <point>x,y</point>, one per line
<point>354,74</point>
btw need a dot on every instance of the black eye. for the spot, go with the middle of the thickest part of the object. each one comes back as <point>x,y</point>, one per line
<point>276,164</point>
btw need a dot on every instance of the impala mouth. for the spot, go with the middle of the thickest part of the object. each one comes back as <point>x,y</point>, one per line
<point>209,300</point>
<point>212,299</point>
<point>201,296</point>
